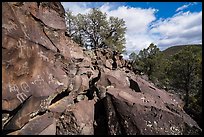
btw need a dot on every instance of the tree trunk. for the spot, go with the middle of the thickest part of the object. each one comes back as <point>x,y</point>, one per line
<point>187,97</point>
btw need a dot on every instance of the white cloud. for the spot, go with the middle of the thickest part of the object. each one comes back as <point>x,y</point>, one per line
<point>182,7</point>
<point>185,6</point>
<point>137,24</point>
<point>85,7</point>
<point>144,28</point>
<point>76,7</point>
<point>184,28</point>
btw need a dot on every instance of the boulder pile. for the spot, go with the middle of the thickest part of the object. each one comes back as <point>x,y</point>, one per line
<point>51,85</point>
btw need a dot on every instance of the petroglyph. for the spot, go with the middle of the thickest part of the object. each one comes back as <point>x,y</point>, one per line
<point>13,88</point>
<point>23,48</point>
<point>10,26</point>
<point>44,58</point>
<point>21,96</point>
<point>19,45</point>
<point>24,66</point>
<point>25,87</point>
<point>39,80</point>
<point>51,78</point>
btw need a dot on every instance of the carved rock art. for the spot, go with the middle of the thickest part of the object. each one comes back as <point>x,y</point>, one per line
<point>51,85</point>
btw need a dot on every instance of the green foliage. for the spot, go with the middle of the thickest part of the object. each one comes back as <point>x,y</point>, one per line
<point>137,64</point>
<point>94,29</point>
<point>185,74</point>
<point>133,56</point>
<point>147,59</point>
<point>184,70</point>
<point>194,108</point>
<point>115,37</point>
<point>175,49</point>
<point>71,23</point>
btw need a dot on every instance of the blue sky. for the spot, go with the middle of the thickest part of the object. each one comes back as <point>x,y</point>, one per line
<point>162,7</point>
<point>163,23</point>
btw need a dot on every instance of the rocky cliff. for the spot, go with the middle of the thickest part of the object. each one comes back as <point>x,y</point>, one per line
<point>50,85</point>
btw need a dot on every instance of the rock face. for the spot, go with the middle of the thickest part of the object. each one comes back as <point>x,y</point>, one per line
<point>52,86</point>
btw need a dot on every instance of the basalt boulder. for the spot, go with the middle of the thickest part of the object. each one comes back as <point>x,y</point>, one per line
<point>35,55</point>
<point>52,86</point>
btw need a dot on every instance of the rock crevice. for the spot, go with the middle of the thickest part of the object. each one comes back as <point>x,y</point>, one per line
<point>51,85</point>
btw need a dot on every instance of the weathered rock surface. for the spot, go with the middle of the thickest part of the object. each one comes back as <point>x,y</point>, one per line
<point>52,86</point>
<point>77,119</point>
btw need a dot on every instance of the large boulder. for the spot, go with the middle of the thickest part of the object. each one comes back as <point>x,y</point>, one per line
<point>51,85</point>
<point>77,119</point>
<point>141,113</point>
<point>35,53</point>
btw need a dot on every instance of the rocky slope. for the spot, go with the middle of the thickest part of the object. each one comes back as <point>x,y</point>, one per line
<point>50,85</point>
